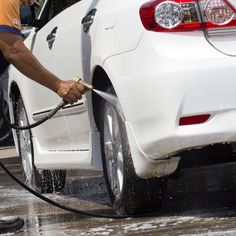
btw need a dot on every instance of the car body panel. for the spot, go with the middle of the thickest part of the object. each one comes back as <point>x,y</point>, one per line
<point>158,78</point>
<point>224,44</point>
<point>196,80</point>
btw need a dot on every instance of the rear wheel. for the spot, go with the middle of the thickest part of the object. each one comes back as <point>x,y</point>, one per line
<point>128,193</point>
<point>45,181</point>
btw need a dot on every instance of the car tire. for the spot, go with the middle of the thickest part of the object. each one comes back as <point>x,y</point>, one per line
<point>5,132</point>
<point>44,181</point>
<point>129,193</point>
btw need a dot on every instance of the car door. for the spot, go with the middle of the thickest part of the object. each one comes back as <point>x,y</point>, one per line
<point>63,46</point>
<point>72,51</point>
<point>53,135</point>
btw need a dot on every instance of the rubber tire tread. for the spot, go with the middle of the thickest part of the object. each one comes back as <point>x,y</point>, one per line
<point>6,137</point>
<point>45,181</point>
<point>139,195</point>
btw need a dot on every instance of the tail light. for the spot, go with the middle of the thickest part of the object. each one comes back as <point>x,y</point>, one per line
<point>183,15</point>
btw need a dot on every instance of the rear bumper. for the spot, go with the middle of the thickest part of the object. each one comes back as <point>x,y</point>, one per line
<point>175,76</point>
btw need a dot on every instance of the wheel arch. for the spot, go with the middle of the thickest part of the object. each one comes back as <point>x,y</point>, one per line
<point>100,81</point>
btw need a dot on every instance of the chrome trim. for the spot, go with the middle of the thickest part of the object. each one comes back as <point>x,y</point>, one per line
<point>221,32</point>
<point>74,150</point>
<point>67,110</point>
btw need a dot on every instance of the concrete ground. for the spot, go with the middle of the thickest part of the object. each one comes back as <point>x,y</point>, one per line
<point>201,202</point>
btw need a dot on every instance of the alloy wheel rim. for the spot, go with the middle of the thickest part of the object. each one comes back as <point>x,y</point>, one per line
<point>113,150</point>
<point>26,149</point>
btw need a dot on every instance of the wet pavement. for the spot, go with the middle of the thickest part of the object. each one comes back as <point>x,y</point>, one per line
<point>202,201</point>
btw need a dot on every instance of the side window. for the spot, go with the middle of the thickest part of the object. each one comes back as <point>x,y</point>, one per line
<point>38,6</point>
<point>53,8</point>
<point>26,15</point>
<point>30,13</point>
<point>58,6</point>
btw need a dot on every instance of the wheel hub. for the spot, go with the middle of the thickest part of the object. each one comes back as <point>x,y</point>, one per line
<point>26,149</point>
<point>113,150</point>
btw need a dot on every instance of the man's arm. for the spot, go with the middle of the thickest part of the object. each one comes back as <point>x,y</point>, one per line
<point>16,53</point>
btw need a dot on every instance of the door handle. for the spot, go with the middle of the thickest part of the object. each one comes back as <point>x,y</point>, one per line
<point>51,37</point>
<point>87,21</point>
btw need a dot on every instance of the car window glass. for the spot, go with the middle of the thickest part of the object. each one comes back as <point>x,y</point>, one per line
<point>38,6</point>
<point>58,6</point>
<point>53,8</point>
<point>26,15</point>
<point>29,13</point>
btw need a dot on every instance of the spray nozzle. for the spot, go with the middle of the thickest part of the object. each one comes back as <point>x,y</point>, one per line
<point>87,86</point>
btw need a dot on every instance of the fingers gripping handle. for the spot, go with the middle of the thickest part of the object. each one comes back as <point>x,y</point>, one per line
<point>63,102</point>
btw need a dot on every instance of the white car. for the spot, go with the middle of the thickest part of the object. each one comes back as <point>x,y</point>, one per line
<point>172,67</point>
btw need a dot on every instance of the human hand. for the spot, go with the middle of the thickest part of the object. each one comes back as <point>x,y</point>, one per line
<point>70,91</point>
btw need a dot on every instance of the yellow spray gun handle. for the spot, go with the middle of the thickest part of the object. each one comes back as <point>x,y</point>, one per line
<point>80,81</point>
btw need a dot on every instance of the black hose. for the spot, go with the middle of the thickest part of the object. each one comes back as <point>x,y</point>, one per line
<point>55,203</point>
<point>31,126</point>
<point>70,209</point>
